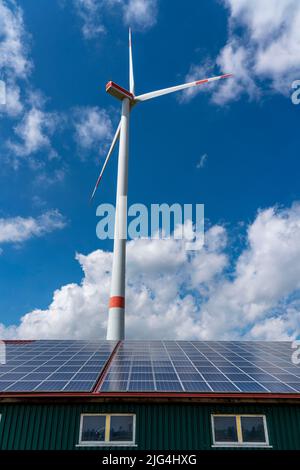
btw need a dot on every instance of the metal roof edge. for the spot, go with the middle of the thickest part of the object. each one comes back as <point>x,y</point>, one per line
<point>148,396</point>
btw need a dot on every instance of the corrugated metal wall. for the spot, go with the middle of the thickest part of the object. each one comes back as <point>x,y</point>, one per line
<point>158,426</point>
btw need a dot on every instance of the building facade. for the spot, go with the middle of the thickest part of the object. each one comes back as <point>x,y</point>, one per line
<point>175,424</point>
<point>155,395</point>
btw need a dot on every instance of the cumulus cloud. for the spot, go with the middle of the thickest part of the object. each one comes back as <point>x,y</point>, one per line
<point>93,127</point>
<point>19,229</point>
<point>267,273</point>
<point>197,72</point>
<point>238,59</point>
<point>13,105</point>
<point>263,48</point>
<point>33,133</point>
<point>35,126</point>
<point>90,14</point>
<point>141,14</point>
<point>15,64</point>
<point>172,293</point>
<point>14,59</point>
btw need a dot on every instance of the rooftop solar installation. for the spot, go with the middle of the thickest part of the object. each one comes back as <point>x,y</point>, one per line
<point>74,366</point>
<point>53,366</point>
<point>202,366</point>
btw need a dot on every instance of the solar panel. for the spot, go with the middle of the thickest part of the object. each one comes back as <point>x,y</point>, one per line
<point>208,366</point>
<point>150,366</point>
<point>42,366</point>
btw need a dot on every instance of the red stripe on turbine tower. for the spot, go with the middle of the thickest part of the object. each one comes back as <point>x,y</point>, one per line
<point>117,301</point>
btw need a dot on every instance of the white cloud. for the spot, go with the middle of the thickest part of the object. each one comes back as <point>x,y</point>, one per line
<point>197,72</point>
<point>93,128</point>
<point>90,14</point>
<point>15,64</point>
<point>47,179</point>
<point>173,294</point>
<point>202,161</point>
<point>20,229</point>
<point>236,58</point>
<point>13,105</point>
<point>34,126</point>
<point>33,133</point>
<point>14,59</point>
<point>263,45</point>
<point>140,14</point>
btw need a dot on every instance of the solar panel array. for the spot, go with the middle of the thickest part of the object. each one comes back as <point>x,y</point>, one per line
<point>211,366</point>
<point>150,366</point>
<point>50,366</point>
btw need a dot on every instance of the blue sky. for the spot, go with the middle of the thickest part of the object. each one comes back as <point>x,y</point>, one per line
<point>59,58</point>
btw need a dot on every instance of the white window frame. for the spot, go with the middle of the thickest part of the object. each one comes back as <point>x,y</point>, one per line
<point>107,442</point>
<point>240,442</point>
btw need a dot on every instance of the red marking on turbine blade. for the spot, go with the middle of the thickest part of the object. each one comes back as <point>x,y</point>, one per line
<point>117,302</point>
<point>227,75</point>
<point>96,187</point>
<point>98,181</point>
<point>199,82</point>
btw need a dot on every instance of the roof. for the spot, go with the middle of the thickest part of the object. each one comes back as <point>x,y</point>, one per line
<point>109,368</point>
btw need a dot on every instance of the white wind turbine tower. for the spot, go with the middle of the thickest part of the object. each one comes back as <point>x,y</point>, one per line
<point>116,318</point>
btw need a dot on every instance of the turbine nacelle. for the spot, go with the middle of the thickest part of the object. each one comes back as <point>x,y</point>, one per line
<point>118,92</point>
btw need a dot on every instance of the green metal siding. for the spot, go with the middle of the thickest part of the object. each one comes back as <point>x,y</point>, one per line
<point>158,426</point>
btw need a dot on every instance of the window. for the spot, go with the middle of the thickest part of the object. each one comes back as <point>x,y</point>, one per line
<point>121,428</point>
<point>253,429</point>
<point>93,429</point>
<point>239,430</point>
<point>107,429</point>
<point>225,429</point>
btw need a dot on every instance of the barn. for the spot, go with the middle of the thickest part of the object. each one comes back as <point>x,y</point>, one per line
<point>149,395</point>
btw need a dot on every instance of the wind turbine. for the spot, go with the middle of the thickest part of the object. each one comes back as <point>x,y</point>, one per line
<point>116,315</point>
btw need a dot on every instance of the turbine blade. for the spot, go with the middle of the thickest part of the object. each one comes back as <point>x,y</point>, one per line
<point>131,76</point>
<point>165,91</point>
<point>112,146</point>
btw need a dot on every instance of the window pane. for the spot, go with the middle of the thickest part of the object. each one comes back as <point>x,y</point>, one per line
<point>121,428</point>
<point>93,428</point>
<point>253,429</point>
<point>225,429</point>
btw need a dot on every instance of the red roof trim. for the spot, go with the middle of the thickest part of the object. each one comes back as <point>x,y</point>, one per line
<point>18,341</point>
<point>105,368</point>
